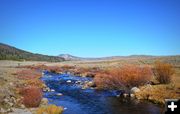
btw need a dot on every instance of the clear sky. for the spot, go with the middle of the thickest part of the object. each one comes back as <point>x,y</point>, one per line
<point>92,28</point>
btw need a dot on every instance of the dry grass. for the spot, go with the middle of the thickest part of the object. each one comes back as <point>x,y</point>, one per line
<point>51,109</point>
<point>176,78</point>
<point>28,74</point>
<point>35,67</point>
<point>158,93</point>
<point>54,69</point>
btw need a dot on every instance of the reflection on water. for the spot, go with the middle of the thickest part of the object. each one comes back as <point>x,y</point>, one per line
<point>90,101</point>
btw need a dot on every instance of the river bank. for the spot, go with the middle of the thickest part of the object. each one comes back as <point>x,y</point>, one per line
<point>20,90</point>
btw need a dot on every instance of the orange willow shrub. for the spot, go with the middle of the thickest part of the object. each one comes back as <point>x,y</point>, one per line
<point>163,72</point>
<point>67,67</point>
<point>54,69</point>
<point>124,77</point>
<point>32,96</point>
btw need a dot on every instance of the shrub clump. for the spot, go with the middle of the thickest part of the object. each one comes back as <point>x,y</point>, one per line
<point>32,96</point>
<point>163,72</point>
<point>157,93</point>
<point>51,109</point>
<point>54,69</point>
<point>124,77</point>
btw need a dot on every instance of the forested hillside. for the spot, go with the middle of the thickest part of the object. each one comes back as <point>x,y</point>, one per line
<point>11,53</point>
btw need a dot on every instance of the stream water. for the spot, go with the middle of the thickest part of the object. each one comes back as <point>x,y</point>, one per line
<point>76,100</point>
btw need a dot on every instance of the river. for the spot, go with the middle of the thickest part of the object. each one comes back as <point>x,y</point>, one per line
<point>66,91</point>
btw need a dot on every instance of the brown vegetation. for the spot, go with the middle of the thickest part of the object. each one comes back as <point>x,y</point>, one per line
<point>32,96</point>
<point>34,82</point>
<point>67,67</point>
<point>123,77</point>
<point>86,71</point>
<point>30,88</point>
<point>157,93</point>
<point>54,69</point>
<point>35,67</point>
<point>51,109</point>
<point>27,74</point>
<point>163,72</point>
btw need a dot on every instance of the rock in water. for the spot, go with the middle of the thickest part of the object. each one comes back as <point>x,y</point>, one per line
<point>68,81</point>
<point>59,94</point>
<point>52,90</point>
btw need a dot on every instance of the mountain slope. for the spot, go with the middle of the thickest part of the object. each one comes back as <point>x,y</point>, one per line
<point>136,59</point>
<point>11,53</point>
<point>69,57</point>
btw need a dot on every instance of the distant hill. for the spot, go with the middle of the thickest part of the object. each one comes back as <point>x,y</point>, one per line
<point>69,57</point>
<point>137,59</point>
<point>11,53</point>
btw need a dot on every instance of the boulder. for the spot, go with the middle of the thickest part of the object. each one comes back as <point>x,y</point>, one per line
<point>13,99</point>
<point>2,110</point>
<point>91,84</point>
<point>11,84</point>
<point>20,111</point>
<point>9,110</point>
<point>132,95</point>
<point>44,101</point>
<point>10,104</point>
<point>6,100</point>
<point>22,106</point>
<point>135,90</point>
<point>5,93</point>
<point>125,95</point>
<point>148,86</point>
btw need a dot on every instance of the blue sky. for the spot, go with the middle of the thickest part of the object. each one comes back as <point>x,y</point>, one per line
<point>92,28</point>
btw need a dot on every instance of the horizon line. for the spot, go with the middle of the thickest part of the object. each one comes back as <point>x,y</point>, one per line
<point>108,56</point>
